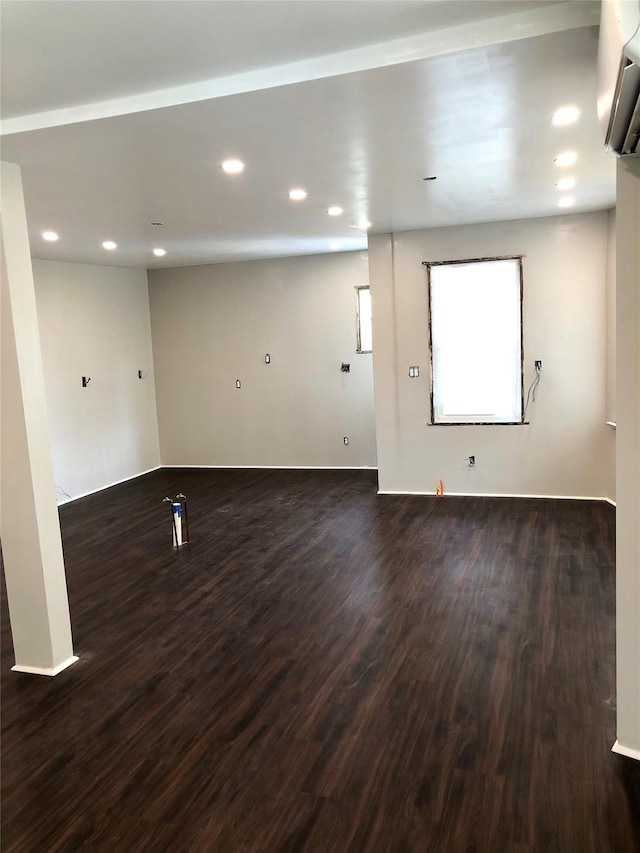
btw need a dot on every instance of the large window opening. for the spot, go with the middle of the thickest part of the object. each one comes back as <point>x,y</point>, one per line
<point>475,337</point>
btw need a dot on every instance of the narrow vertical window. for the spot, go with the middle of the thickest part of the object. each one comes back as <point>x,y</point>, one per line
<point>364,333</point>
<point>475,326</point>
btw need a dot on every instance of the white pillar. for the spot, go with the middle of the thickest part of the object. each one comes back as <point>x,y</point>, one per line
<point>628,458</point>
<point>31,543</point>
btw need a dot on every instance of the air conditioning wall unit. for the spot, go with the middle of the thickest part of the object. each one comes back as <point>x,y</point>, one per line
<point>619,76</point>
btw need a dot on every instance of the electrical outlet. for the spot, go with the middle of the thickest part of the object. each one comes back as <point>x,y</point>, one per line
<point>537,364</point>
<point>472,461</point>
<point>414,371</point>
<point>346,439</point>
<point>238,383</point>
<point>267,359</point>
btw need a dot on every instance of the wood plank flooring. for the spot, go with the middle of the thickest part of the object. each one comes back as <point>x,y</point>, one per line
<point>324,670</point>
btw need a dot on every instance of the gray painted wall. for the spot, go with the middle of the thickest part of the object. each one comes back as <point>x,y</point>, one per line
<point>628,456</point>
<point>94,321</point>
<point>214,324</point>
<point>562,451</point>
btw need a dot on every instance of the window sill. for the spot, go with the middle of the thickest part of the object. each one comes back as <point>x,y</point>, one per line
<point>479,423</point>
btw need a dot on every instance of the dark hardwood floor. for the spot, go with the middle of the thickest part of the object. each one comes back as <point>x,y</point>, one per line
<point>324,670</point>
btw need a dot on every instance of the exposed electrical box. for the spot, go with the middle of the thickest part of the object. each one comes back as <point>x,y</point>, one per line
<point>414,371</point>
<point>267,359</point>
<point>345,368</point>
<point>346,439</point>
<point>538,365</point>
<point>85,381</point>
<point>238,383</point>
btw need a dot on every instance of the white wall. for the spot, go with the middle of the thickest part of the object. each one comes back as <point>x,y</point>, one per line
<point>214,324</point>
<point>610,379</point>
<point>94,321</point>
<point>561,451</point>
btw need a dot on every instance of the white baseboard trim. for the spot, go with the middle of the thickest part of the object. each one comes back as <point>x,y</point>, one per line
<point>280,467</point>
<point>108,486</point>
<point>609,501</point>
<point>498,495</point>
<point>38,670</point>
<point>625,750</point>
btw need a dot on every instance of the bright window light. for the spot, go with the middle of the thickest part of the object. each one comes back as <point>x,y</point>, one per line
<point>476,341</point>
<point>364,330</point>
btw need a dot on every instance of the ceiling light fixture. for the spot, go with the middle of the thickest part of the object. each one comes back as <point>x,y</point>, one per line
<point>233,167</point>
<point>565,116</point>
<point>335,210</point>
<point>159,252</point>
<point>50,236</point>
<point>567,158</point>
<point>109,244</point>
<point>566,183</point>
<point>566,201</point>
<point>364,224</point>
<point>334,245</point>
<point>297,195</point>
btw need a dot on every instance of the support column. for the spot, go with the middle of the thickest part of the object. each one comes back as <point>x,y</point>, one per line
<point>628,458</point>
<point>29,525</point>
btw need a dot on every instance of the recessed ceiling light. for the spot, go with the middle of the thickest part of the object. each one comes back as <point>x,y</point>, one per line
<point>334,245</point>
<point>159,252</point>
<point>51,236</point>
<point>565,115</point>
<point>567,158</point>
<point>109,244</point>
<point>566,183</point>
<point>233,167</point>
<point>335,210</point>
<point>566,201</point>
<point>364,224</point>
<point>297,195</point>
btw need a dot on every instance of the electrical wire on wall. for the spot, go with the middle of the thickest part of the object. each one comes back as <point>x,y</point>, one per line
<point>531,393</point>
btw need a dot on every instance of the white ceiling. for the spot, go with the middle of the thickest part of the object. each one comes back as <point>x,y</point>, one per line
<point>120,114</point>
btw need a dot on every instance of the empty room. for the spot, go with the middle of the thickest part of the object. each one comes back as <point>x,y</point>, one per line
<point>320,410</point>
